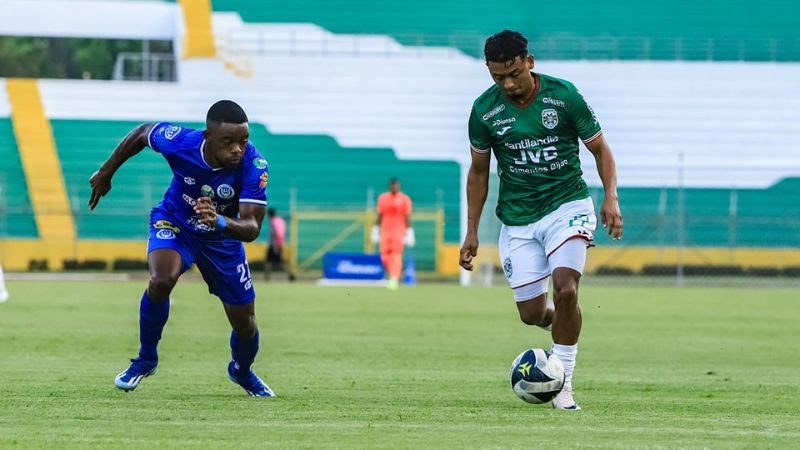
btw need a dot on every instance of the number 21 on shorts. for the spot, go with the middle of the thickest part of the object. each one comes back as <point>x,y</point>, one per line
<point>244,275</point>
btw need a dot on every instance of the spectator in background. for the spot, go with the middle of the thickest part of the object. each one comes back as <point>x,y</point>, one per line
<point>277,239</point>
<point>393,230</point>
<point>3,290</point>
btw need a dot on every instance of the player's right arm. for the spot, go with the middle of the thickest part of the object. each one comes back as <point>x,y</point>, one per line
<point>477,189</point>
<point>130,145</point>
<point>480,140</point>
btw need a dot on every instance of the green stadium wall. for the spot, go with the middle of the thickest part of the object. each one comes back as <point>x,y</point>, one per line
<point>16,212</point>
<point>323,175</point>
<point>327,177</point>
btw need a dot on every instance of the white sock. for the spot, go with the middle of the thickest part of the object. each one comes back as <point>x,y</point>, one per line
<point>567,355</point>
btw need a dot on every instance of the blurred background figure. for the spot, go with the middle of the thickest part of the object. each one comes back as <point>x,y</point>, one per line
<point>277,239</point>
<point>3,290</point>
<point>393,230</point>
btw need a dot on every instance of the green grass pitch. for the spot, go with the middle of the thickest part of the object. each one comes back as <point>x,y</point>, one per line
<point>424,367</point>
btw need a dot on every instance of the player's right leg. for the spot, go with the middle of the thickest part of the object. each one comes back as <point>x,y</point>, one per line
<point>392,257</point>
<point>168,257</point>
<point>526,269</point>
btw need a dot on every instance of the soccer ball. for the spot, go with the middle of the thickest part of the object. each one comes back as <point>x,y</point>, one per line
<point>537,376</point>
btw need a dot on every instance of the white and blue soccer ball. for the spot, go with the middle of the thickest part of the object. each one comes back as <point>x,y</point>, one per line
<point>537,376</point>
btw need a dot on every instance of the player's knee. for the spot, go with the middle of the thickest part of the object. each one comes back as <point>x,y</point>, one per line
<point>246,330</point>
<point>161,286</point>
<point>565,295</point>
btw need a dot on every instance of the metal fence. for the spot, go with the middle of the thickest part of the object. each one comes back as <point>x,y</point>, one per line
<point>685,235</point>
<point>266,41</point>
<point>131,66</point>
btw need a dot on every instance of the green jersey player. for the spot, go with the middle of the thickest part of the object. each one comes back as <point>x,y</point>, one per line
<point>532,123</point>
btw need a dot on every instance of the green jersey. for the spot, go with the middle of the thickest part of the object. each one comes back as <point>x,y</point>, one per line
<point>536,147</point>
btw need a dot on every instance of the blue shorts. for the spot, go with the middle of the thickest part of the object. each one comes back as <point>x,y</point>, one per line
<point>221,262</point>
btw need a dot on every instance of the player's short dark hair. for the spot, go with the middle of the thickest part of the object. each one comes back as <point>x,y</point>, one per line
<point>393,180</point>
<point>505,46</point>
<point>226,111</point>
<point>271,212</point>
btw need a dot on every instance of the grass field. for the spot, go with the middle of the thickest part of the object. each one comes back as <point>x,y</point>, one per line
<point>425,367</point>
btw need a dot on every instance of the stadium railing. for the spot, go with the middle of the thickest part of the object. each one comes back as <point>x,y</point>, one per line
<point>261,41</point>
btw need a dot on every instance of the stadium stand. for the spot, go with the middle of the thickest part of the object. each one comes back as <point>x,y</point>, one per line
<point>618,29</point>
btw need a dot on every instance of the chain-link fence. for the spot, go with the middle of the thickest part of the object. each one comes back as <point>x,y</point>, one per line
<point>684,235</point>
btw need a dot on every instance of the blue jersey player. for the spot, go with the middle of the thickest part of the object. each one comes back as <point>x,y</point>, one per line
<point>215,202</point>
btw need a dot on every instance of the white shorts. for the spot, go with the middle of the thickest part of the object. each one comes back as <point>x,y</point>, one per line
<point>525,250</point>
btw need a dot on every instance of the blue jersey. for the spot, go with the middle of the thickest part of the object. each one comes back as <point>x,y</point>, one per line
<point>194,178</point>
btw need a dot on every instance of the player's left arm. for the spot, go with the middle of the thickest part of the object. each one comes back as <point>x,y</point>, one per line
<point>610,214</point>
<point>410,238</point>
<point>245,228</point>
<point>585,122</point>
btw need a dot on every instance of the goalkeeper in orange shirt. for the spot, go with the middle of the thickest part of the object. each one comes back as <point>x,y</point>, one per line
<point>393,230</point>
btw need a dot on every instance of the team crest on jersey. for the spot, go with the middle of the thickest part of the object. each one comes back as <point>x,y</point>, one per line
<point>171,131</point>
<point>260,163</point>
<point>507,268</point>
<point>225,191</point>
<point>264,180</point>
<point>165,234</point>
<point>549,118</point>
<point>188,180</point>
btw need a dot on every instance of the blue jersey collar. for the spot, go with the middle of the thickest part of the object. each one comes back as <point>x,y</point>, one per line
<point>203,158</point>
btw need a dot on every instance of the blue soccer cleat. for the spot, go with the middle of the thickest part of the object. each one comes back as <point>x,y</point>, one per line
<point>128,379</point>
<point>249,381</point>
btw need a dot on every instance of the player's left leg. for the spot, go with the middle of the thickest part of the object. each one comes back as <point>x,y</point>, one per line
<point>567,322</point>
<point>567,262</point>
<point>567,234</point>
<point>395,269</point>
<point>3,290</point>
<point>226,272</point>
<point>392,257</point>
<point>244,347</point>
<point>286,266</point>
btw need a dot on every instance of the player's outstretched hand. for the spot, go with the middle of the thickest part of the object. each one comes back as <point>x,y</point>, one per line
<point>208,214</point>
<point>100,181</point>
<point>468,251</point>
<point>611,217</point>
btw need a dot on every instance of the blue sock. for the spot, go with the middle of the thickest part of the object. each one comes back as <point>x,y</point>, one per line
<point>152,318</point>
<point>243,351</point>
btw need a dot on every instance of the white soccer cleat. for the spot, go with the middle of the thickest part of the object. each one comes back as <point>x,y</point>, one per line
<point>565,401</point>
<point>3,295</point>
